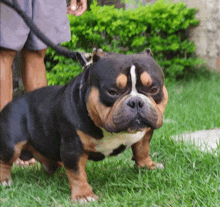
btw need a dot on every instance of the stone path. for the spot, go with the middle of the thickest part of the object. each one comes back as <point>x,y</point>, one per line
<point>207,140</point>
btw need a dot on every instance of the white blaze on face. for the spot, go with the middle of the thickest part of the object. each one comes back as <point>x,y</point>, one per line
<point>134,91</point>
<point>133,81</point>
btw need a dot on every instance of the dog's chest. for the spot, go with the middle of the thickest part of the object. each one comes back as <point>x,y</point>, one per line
<point>111,142</point>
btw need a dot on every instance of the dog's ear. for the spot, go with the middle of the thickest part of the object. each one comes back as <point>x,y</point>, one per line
<point>97,54</point>
<point>148,51</point>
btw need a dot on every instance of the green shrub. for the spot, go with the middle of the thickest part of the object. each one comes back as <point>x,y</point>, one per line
<point>162,27</point>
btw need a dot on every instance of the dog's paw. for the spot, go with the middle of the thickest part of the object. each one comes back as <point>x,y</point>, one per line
<point>159,166</point>
<point>86,199</point>
<point>154,166</point>
<point>149,164</point>
<point>6,183</point>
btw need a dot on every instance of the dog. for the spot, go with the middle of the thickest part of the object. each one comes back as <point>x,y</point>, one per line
<point>115,103</point>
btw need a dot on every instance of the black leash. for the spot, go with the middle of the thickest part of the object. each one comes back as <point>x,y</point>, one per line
<point>59,49</point>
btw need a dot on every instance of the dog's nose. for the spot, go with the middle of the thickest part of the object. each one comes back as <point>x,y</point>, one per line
<point>135,102</point>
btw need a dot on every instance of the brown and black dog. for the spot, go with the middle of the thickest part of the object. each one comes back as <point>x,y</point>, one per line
<point>116,103</point>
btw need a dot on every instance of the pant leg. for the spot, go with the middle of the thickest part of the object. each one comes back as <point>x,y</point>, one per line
<point>50,16</point>
<point>13,30</point>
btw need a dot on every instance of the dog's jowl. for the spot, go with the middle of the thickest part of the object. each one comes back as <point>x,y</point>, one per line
<point>116,103</point>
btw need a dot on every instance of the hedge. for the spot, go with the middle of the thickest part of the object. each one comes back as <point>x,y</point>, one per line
<point>163,27</point>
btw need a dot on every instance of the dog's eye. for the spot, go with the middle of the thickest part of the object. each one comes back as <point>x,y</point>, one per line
<point>112,92</point>
<point>153,90</point>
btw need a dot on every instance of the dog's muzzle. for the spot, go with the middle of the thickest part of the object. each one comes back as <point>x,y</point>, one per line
<point>135,114</point>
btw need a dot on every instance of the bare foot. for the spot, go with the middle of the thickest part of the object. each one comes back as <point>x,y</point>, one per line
<point>25,163</point>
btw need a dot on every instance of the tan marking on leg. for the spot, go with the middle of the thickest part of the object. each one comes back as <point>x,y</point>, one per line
<point>5,172</point>
<point>17,150</point>
<point>80,189</point>
<point>49,165</point>
<point>146,79</point>
<point>5,168</point>
<point>141,151</point>
<point>121,81</point>
<point>88,145</point>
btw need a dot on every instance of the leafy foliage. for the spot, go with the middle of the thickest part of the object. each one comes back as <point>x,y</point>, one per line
<point>162,27</point>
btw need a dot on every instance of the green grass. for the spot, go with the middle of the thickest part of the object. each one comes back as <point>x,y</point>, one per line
<point>190,177</point>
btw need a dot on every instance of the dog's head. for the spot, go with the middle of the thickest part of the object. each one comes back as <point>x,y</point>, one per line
<point>126,92</point>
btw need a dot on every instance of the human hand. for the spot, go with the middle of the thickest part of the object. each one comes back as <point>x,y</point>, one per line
<point>77,8</point>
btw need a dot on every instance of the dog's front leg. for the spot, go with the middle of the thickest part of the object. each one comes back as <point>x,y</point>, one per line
<point>141,151</point>
<point>75,163</point>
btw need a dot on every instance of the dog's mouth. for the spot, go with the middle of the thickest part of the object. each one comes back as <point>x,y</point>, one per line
<point>133,125</point>
<point>137,124</point>
<point>134,130</point>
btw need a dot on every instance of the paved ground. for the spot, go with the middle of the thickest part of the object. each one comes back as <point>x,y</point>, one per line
<point>207,140</point>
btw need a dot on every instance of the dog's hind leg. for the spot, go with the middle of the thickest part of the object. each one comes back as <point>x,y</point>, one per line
<point>49,165</point>
<point>5,173</point>
<point>8,155</point>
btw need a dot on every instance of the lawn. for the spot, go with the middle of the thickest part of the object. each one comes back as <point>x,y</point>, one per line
<point>190,177</point>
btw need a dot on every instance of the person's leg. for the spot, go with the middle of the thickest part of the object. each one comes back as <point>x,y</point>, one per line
<point>33,69</point>
<point>6,82</point>
<point>33,77</point>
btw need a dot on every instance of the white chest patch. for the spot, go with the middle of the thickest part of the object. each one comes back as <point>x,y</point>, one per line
<point>112,141</point>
